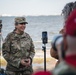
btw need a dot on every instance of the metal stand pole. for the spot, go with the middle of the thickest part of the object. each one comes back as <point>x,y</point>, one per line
<point>0,51</point>
<point>44,48</point>
<point>0,41</point>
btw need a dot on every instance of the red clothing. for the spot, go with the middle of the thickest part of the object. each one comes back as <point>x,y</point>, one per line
<point>71,60</point>
<point>42,73</point>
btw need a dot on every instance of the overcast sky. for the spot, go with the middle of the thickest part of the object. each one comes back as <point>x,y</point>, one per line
<point>32,7</point>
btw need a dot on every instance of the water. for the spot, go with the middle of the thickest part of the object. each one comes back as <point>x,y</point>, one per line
<point>36,25</point>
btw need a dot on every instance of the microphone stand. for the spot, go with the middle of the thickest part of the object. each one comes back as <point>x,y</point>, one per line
<point>0,42</point>
<point>44,49</point>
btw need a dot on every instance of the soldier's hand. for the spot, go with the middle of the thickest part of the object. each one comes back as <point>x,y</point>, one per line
<point>25,62</point>
<point>28,61</point>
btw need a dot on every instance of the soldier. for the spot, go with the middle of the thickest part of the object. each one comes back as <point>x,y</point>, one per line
<point>18,50</point>
<point>68,66</point>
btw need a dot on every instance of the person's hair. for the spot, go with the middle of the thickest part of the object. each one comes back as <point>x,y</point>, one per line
<point>67,9</point>
<point>16,23</point>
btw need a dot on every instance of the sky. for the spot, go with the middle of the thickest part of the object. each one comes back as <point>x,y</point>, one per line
<point>32,7</point>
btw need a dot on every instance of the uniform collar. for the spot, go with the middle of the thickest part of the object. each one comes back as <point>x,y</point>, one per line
<point>19,35</point>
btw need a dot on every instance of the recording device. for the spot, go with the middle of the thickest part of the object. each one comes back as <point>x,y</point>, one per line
<point>56,41</point>
<point>44,37</point>
<point>0,21</point>
<point>44,41</point>
<point>0,25</point>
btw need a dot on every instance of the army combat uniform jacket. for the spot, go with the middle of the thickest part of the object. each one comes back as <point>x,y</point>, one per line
<point>15,48</point>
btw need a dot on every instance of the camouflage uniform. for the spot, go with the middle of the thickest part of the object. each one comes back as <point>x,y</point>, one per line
<point>64,69</point>
<point>16,47</point>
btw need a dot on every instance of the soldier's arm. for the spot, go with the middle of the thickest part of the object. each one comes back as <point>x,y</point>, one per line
<point>6,48</point>
<point>32,50</point>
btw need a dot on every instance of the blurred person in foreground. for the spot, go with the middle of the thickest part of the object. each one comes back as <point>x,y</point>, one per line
<point>42,73</point>
<point>68,8</point>
<point>68,65</point>
<point>65,49</point>
<point>18,50</point>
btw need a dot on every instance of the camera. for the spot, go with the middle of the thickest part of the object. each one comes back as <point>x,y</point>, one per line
<point>0,21</point>
<point>44,37</point>
<point>58,44</point>
<point>56,41</point>
<point>0,25</point>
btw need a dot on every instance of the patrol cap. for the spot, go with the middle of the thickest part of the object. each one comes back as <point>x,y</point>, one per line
<point>70,25</point>
<point>20,20</point>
